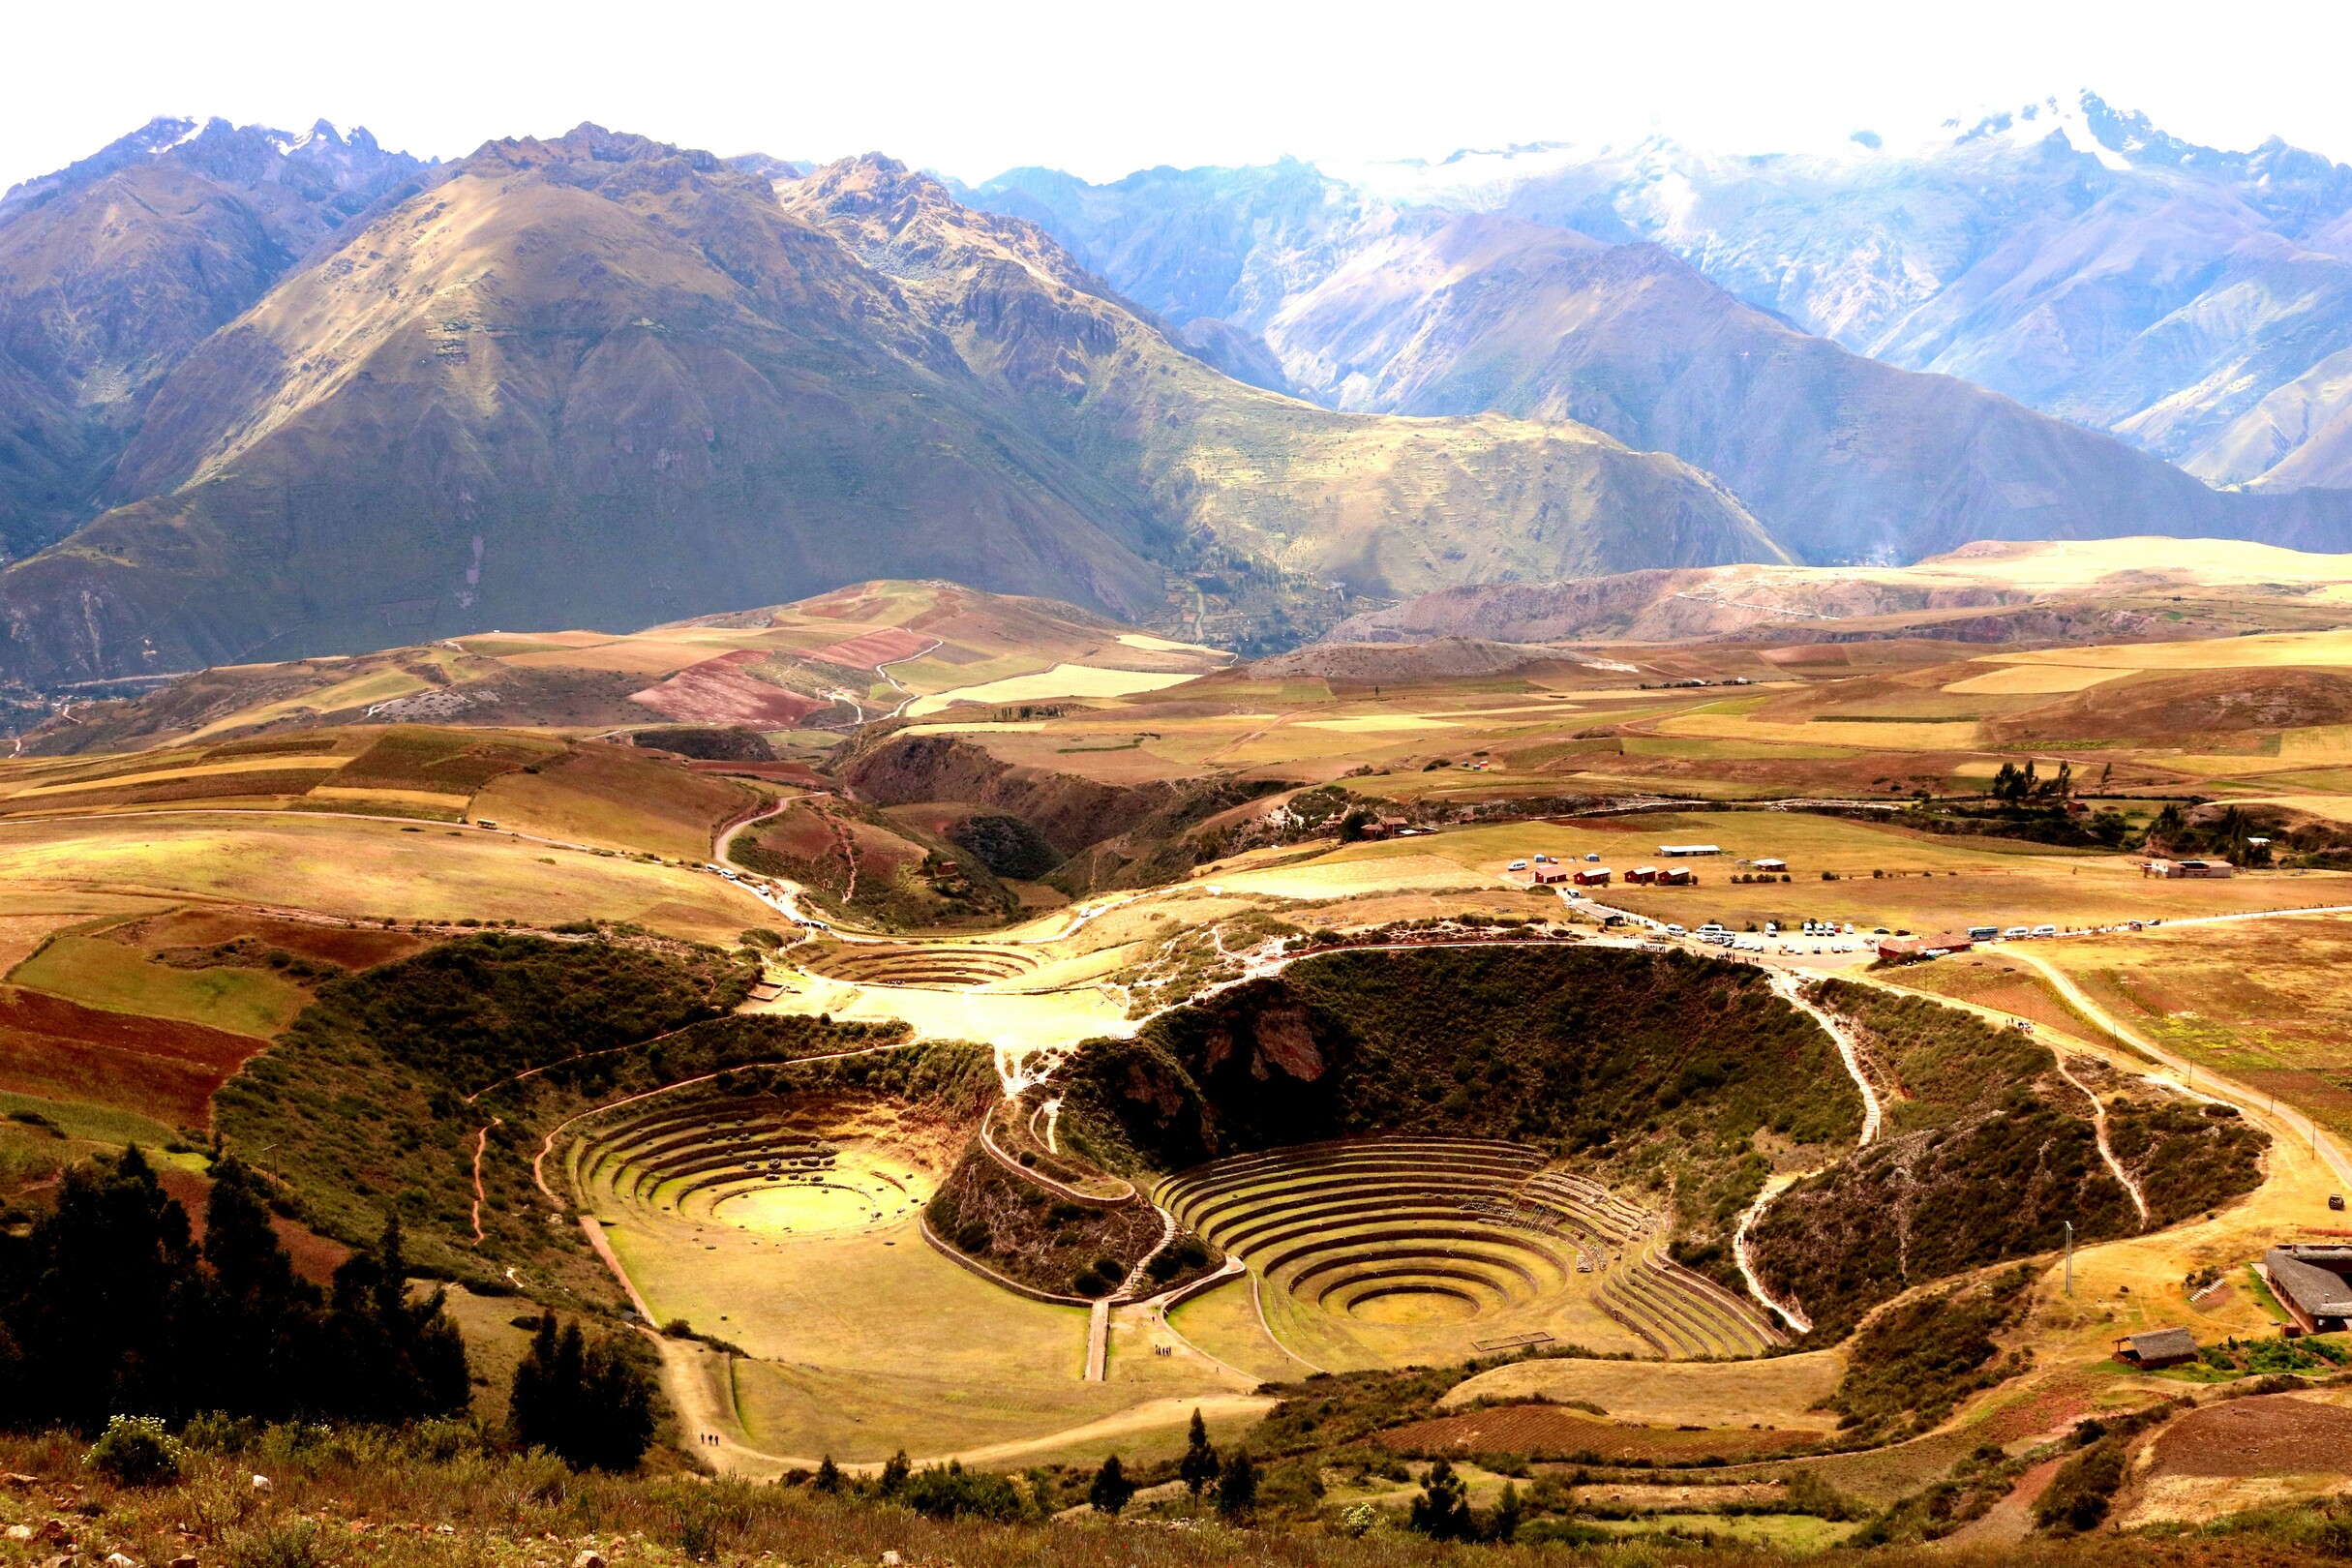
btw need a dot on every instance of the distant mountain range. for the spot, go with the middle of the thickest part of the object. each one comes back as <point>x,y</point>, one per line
<point>2193,302</point>
<point>267,394</point>
<point>601,380</point>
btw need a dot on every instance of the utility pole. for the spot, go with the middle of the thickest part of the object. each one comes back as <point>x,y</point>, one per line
<point>2069,1224</point>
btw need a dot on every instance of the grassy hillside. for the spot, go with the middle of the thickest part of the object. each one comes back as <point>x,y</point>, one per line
<point>1988,1153</point>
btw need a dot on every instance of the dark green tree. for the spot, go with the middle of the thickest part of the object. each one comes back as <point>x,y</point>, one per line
<point>895,1473</point>
<point>587,1403</point>
<point>262,1317</point>
<point>1503,1524</point>
<point>1112,1487</point>
<point>828,1476</point>
<point>101,1301</point>
<point>1237,1487</point>
<point>402,1359</point>
<point>1442,1511</point>
<point>1198,1467</point>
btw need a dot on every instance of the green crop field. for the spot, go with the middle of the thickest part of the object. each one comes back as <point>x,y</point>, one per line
<point>99,972</point>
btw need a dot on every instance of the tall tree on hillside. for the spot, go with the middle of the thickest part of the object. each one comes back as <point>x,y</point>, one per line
<point>262,1314</point>
<point>99,1298</point>
<point>1198,1467</point>
<point>1112,1487</point>
<point>1442,1511</point>
<point>588,1404</point>
<point>403,1359</point>
<point>1237,1487</point>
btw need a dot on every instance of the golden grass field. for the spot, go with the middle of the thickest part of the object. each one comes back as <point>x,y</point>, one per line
<point>1062,681</point>
<point>2263,1002</point>
<point>366,870</point>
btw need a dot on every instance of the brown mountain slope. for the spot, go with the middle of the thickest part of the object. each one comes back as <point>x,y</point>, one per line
<point>586,381</point>
<point>1382,505</point>
<point>598,381</point>
<point>1844,457</point>
<point>112,270</point>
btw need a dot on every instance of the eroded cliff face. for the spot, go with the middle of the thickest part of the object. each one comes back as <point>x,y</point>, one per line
<point>1107,835</point>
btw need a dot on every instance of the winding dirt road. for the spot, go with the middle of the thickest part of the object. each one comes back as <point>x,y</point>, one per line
<point>2221,1087</point>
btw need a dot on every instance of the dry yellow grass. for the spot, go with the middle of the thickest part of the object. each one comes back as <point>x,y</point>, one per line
<point>1062,681</point>
<point>1054,1021</point>
<point>1958,735</point>
<point>2276,650</point>
<point>225,767</point>
<point>1780,1391</point>
<point>2034,681</point>
<point>1378,723</point>
<point>339,866</point>
<point>1335,878</point>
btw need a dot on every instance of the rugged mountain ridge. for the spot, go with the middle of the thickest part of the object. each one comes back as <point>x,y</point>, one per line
<point>2191,301</point>
<point>1394,503</point>
<point>601,380</point>
<point>112,269</point>
<point>1844,458</point>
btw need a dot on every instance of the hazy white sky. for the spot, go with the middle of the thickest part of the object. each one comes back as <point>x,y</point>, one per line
<point>1102,89</point>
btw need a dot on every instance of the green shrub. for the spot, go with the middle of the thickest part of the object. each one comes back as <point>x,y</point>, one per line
<point>1921,1358</point>
<point>2078,1494</point>
<point>951,1491</point>
<point>135,1451</point>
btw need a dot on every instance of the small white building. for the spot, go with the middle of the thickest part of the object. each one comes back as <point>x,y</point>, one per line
<point>1677,851</point>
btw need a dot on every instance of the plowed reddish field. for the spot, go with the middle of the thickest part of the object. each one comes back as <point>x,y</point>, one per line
<point>1548,1432</point>
<point>719,691</point>
<point>2268,1434</point>
<point>874,647</point>
<point>155,1066</point>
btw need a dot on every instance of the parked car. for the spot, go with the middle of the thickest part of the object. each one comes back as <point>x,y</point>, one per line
<point>1544,859</point>
<point>1983,933</point>
<point>2045,930</point>
<point>2016,933</point>
<point>1517,865</point>
<point>1675,930</point>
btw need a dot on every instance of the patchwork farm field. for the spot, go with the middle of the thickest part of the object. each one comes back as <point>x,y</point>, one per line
<point>109,974</point>
<point>1408,1175</point>
<point>154,1068</point>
